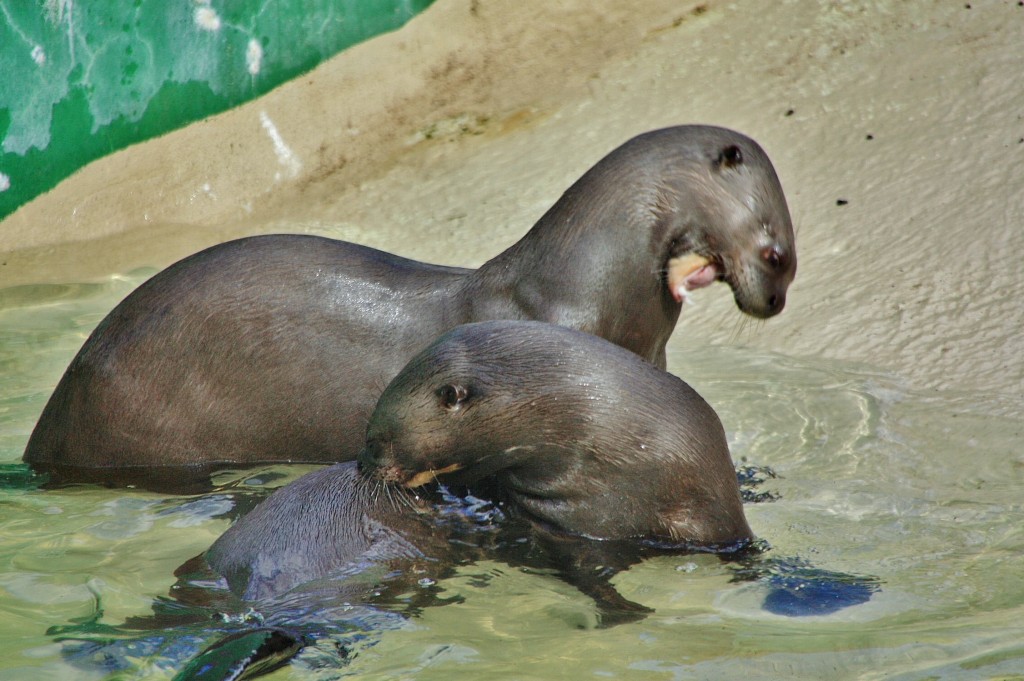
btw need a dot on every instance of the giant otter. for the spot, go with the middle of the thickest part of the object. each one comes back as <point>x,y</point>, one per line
<point>579,436</point>
<point>275,348</point>
<point>582,439</point>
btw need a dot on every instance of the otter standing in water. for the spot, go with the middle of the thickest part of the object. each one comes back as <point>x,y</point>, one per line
<point>275,348</point>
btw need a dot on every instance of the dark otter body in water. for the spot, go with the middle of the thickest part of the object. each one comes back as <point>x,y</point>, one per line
<point>579,437</point>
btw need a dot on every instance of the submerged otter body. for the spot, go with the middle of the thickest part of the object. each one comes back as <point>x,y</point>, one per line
<point>575,433</point>
<point>328,523</point>
<point>276,348</point>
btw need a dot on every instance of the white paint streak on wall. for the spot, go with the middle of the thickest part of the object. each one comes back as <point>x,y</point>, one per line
<point>285,156</point>
<point>253,56</point>
<point>207,19</point>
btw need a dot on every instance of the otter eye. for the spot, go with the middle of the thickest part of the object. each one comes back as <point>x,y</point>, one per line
<point>773,256</point>
<point>730,157</point>
<point>452,396</point>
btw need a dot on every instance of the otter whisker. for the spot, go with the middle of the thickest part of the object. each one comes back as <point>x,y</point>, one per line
<point>740,326</point>
<point>410,500</point>
<point>389,492</point>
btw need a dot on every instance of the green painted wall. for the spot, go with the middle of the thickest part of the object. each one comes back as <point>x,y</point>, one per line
<point>82,78</point>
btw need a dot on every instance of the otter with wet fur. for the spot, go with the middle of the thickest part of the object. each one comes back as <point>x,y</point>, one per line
<point>577,436</point>
<point>275,348</point>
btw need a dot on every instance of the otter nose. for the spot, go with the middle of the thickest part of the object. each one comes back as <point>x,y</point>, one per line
<point>776,302</point>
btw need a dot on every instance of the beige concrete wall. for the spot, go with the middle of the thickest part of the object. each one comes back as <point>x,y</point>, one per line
<point>445,140</point>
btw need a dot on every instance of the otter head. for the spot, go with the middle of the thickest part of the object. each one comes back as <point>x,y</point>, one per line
<point>721,215</point>
<point>447,413</point>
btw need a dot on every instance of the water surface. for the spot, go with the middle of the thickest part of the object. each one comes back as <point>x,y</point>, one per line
<point>874,478</point>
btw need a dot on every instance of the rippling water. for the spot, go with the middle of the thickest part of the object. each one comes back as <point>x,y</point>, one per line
<point>921,491</point>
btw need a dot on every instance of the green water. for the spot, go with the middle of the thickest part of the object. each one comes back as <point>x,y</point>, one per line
<point>921,490</point>
<point>80,80</point>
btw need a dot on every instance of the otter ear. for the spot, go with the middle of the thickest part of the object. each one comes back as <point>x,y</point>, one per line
<point>452,396</point>
<point>729,157</point>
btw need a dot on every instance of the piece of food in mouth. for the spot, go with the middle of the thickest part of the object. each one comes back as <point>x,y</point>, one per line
<point>423,477</point>
<point>688,273</point>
